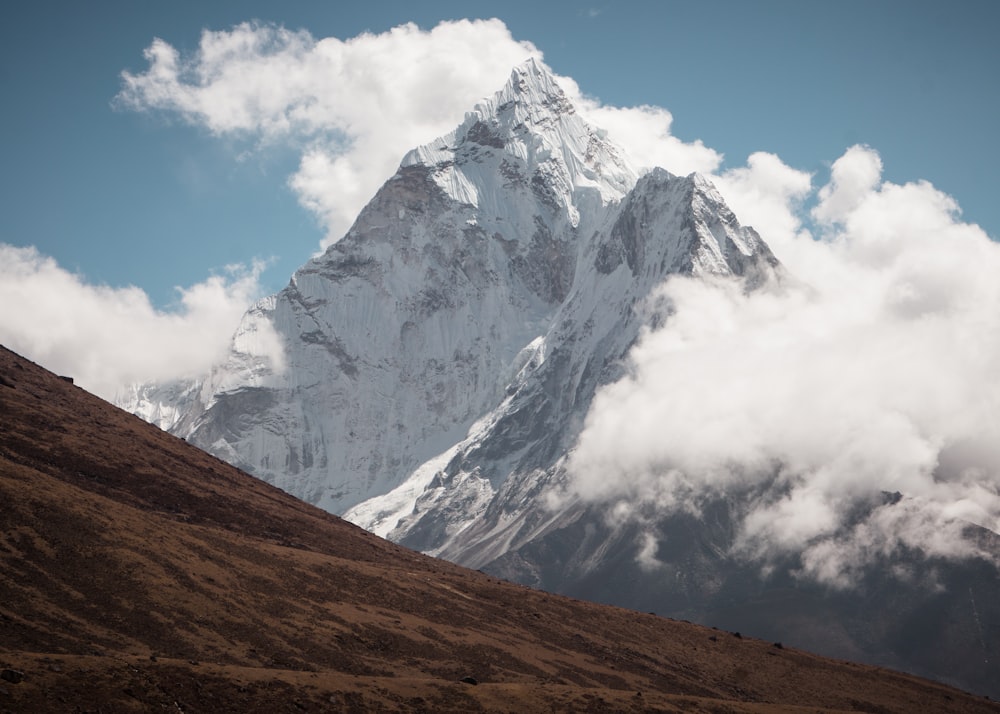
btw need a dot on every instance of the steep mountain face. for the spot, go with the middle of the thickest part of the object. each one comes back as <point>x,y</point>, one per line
<point>427,376</point>
<point>381,353</point>
<point>484,497</point>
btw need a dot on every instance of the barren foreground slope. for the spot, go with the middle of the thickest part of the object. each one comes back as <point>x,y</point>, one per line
<point>140,574</point>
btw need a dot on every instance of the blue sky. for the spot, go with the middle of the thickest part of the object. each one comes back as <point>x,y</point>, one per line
<point>148,196</point>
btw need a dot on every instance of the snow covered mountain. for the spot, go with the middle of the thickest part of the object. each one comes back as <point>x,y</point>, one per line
<point>381,353</point>
<point>503,271</point>
<point>427,376</point>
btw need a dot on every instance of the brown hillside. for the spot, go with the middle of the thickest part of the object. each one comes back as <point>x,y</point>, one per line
<point>138,573</point>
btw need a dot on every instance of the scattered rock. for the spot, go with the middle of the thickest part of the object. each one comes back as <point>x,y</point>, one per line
<point>713,638</point>
<point>737,635</point>
<point>778,645</point>
<point>469,680</point>
<point>12,675</point>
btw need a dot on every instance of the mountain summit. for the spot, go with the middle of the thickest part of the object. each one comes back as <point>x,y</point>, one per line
<point>531,135</point>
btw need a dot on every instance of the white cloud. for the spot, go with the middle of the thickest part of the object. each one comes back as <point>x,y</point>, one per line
<point>853,177</point>
<point>107,337</point>
<point>876,370</point>
<point>644,133</point>
<point>768,195</point>
<point>646,557</point>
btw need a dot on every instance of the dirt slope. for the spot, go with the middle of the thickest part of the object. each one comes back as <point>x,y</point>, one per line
<point>137,573</point>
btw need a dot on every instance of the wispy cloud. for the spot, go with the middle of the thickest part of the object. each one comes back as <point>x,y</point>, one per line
<point>108,337</point>
<point>353,107</point>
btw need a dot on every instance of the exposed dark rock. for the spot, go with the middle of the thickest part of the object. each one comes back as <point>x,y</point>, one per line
<point>482,133</point>
<point>12,675</point>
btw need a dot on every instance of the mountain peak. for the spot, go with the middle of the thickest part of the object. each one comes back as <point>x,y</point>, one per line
<point>531,83</point>
<point>528,133</point>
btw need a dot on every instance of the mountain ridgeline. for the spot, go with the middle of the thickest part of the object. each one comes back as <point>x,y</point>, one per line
<point>427,376</point>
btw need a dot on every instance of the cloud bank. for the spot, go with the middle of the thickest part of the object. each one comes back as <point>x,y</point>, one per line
<point>874,369</point>
<point>106,338</point>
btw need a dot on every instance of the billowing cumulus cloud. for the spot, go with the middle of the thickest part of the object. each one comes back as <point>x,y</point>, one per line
<point>109,337</point>
<point>768,195</point>
<point>852,179</point>
<point>873,369</point>
<point>355,107</point>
